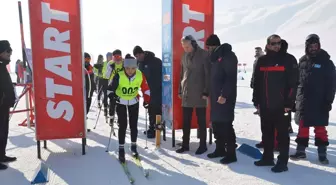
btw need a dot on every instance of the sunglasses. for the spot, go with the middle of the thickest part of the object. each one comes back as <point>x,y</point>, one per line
<point>117,57</point>
<point>275,43</point>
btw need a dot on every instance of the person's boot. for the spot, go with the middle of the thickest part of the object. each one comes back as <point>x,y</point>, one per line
<point>299,154</point>
<point>265,161</point>
<point>122,158</point>
<point>322,154</point>
<point>150,133</point>
<point>201,150</point>
<point>7,159</point>
<point>182,149</point>
<point>279,167</point>
<point>217,153</point>
<point>230,157</point>
<point>134,150</point>
<point>3,166</point>
<point>260,145</point>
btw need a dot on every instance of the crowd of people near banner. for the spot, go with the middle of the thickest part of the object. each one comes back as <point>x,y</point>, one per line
<point>281,85</point>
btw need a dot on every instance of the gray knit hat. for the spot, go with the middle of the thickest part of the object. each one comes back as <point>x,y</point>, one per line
<point>132,63</point>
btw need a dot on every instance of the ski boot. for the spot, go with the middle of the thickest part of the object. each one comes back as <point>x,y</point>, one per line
<point>134,150</point>
<point>122,158</point>
<point>299,154</point>
<point>322,154</point>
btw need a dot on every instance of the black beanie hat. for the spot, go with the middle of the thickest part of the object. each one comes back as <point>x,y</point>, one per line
<point>137,50</point>
<point>312,39</point>
<point>87,55</point>
<point>4,46</point>
<point>128,56</point>
<point>284,46</point>
<point>213,40</point>
<point>116,52</point>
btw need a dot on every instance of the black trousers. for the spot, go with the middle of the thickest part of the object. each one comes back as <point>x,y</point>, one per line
<point>102,89</point>
<point>271,120</point>
<point>4,127</point>
<point>88,102</point>
<point>153,110</point>
<point>133,114</point>
<point>225,136</point>
<point>201,120</point>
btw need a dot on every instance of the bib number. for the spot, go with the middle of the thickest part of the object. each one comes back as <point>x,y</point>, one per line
<point>130,90</point>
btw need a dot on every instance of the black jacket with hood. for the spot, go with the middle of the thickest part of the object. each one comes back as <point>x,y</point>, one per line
<point>223,83</point>
<point>152,69</point>
<point>275,81</point>
<point>7,93</point>
<point>316,90</point>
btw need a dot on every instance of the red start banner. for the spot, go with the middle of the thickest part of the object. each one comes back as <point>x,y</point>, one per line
<point>58,69</point>
<point>194,18</point>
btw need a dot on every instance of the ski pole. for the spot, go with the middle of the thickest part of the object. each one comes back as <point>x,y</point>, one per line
<point>108,145</point>
<point>97,119</point>
<point>146,129</point>
<point>97,95</point>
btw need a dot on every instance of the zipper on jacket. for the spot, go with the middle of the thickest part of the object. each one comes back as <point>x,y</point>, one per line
<point>266,87</point>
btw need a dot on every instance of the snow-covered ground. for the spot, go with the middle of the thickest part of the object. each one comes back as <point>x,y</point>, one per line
<point>68,166</point>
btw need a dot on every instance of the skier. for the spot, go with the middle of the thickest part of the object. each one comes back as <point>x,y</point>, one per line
<point>98,74</point>
<point>223,94</point>
<point>151,67</point>
<point>114,67</point>
<point>124,91</point>
<point>275,80</point>
<point>315,95</point>
<point>102,84</point>
<point>90,86</point>
<point>7,100</point>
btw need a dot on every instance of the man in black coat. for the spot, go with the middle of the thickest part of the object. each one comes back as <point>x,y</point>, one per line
<point>274,88</point>
<point>151,67</point>
<point>7,100</point>
<point>315,95</point>
<point>90,85</point>
<point>288,116</point>
<point>223,94</point>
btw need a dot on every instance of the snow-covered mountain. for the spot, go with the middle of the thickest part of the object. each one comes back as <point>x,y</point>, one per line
<point>246,24</point>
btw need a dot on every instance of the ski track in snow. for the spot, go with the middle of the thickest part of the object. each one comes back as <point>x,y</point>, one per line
<point>68,166</point>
